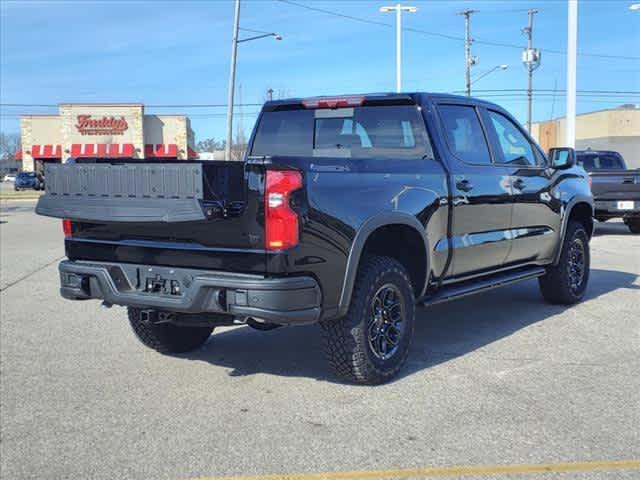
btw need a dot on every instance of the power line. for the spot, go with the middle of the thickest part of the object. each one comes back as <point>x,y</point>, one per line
<point>186,105</point>
<point>447,36</point>
<point>224,105</point>
<point>629,92</point>
<point>254,31</point>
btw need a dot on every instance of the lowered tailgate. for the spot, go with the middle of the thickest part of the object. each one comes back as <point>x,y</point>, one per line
<point>615,184</point>
<point>189,214</point>
<point>123,193</point>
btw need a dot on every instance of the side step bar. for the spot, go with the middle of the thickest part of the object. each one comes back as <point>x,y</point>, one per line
<point>482,285</point>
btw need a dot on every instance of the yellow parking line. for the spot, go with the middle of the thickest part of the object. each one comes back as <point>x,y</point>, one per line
<point>433,472</point>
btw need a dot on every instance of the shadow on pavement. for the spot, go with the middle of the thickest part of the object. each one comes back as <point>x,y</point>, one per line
<point>611,228</point>
<point>443,332</point>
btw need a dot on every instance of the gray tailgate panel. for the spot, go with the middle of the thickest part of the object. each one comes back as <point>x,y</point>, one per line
<point>133,192</point>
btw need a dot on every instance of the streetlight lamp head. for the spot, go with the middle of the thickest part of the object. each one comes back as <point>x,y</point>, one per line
<point>387,9</point>
<point>634,6</point>
<point>277,37</point>
<point>504,66</point>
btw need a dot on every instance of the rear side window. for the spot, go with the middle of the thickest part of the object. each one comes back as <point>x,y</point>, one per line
<point>464,133</point>
<point>288,133</point>
<point>393,131</point>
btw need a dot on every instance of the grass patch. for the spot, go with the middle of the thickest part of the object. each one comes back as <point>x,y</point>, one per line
<point>21,195</point>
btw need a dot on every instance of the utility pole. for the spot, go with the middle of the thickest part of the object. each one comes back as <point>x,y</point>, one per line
<point>531,59</point>
<point>469,60</point>
<point>232,81</point>
<point>572,47</point>
<point>398,8</point>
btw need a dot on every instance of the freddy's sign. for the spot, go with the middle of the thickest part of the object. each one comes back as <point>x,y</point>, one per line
<point>87,125</point>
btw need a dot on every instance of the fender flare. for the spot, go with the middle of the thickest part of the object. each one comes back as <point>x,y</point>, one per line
<point>565,221</point>
<point>359,241</point>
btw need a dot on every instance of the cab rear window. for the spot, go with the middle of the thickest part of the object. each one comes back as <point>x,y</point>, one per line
<point>604,161</point>
<point>393,131</point>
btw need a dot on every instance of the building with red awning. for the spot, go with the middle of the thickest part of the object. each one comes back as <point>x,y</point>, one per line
<point>103,131</point>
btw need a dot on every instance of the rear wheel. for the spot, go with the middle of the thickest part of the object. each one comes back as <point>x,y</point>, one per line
<point>370,343</point>
<point>165,337</point>
<point>566,282</point>
<point>633,224</point>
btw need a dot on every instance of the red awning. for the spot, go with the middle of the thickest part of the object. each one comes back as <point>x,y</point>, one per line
<point>191,153</point>
<point>102,150</point>
<point>153,150</point>
<point>46,151</point>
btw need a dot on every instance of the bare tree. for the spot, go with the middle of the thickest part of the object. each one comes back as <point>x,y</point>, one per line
<point>209,145</point>
<point>9,145</point>
<point>239,146</point>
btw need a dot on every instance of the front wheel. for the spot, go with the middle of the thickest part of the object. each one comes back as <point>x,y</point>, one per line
<point>165,337</point>
<point>566,282</point>
<point>370,344</point>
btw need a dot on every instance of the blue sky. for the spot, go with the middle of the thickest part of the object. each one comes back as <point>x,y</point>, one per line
<point>171,52</point>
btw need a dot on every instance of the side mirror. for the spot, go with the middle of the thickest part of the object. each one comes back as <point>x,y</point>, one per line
<point>562,158</point>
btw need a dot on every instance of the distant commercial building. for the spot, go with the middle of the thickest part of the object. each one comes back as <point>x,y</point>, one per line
<point>612,129</point>
<point>103,131</point>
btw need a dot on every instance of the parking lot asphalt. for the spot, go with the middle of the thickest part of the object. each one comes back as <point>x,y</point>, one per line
<point>496,379</point>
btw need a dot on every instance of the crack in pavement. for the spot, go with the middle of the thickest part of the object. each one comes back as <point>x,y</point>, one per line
<point>24,277</point>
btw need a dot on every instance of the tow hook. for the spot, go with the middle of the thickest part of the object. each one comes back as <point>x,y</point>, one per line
<point>155,317</point>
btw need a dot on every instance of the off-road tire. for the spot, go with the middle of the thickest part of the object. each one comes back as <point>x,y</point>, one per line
<point>634,225</point>
<point>555,285</point>
<point>347,345</point>
<point>165,337</point>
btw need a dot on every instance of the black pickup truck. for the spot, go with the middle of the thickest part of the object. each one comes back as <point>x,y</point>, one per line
<point>347,211</point>
<point>616,190</point>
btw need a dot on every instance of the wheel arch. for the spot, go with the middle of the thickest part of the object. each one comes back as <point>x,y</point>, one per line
<point>581,209</point>
<point>374,233</point>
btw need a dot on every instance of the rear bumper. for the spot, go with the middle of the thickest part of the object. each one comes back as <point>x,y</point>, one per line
<point>609,209</point>
<point>284,301</point>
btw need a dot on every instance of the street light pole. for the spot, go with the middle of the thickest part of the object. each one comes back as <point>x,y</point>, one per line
<point>398,49</point>
<point>497,67</point>
<point>232,81</point>
<point>572,48</point>
<point>232,73</point>
<point>398,8</point>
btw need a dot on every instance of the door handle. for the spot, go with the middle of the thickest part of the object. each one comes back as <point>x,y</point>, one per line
<point>464,185</point>
<point>519,184</point>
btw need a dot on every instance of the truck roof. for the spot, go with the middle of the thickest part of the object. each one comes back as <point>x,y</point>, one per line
<point>354,99</point>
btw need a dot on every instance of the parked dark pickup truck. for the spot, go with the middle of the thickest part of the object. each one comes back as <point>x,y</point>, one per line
<point>346,211</point>
<point>616,190</point>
